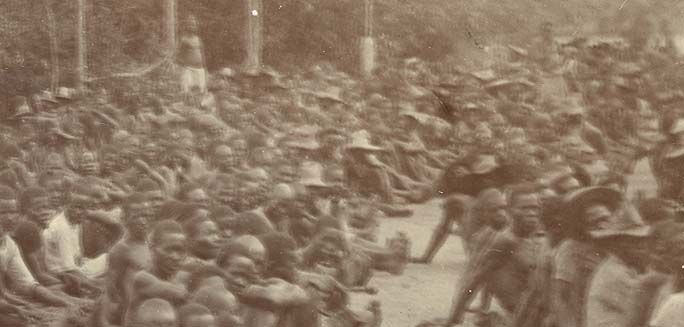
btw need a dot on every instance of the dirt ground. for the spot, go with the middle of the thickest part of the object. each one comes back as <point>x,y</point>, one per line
<point>423,292</point>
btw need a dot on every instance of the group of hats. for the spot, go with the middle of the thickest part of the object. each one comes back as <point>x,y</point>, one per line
<point>624,221</point>
<point>22,109</point>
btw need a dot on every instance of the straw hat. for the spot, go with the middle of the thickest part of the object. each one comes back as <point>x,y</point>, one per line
<point>361,140</point>
<point>484,164</point>
<point>47,96</point>
<point>21,109</point>
<point>65,93</point>
<point>282,191</point>
<point>311,174</point>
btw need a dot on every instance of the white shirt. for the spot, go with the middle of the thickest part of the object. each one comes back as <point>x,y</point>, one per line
<point>13,268</point>
<point>62,245</point>
<point>671,314</point>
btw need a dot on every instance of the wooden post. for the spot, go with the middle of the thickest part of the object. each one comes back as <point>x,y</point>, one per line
<point>81,69</point>
<point>254,34</point>
<point>54,46</point>
<point>170,22</point>
<point>367,43</point>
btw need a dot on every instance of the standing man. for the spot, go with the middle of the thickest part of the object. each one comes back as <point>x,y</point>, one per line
<point>504,265</point>
<point>190,58</point>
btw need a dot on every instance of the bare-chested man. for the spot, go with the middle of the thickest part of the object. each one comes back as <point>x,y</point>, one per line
<point>504,265</point>
<point>169,250</point>
<point>126,258</point>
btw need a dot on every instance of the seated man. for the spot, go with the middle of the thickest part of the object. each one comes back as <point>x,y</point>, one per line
<point>64,237</point>
<point>125,259</point>
<point>13,271</point>
<point>35,205</point>
<point>168,248</point>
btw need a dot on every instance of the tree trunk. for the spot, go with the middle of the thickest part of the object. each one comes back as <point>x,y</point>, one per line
<point>54,46</point>
<point>254,34</point>
<point>170,25</point>
<point>81,46</point>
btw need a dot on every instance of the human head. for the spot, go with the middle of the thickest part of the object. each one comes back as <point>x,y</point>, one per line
<point>224,158</point>
<point>217,299</point>
<point>168,246</point>
<point>138,213</point>
<point>88,164</point>
<point>282,259</point>
<point>35,204</point>
<point>203,237</point>
<point>491,206</point>
<point>196,315</point>
<point>524,208</point>
<point>239,269</point>
<point>155,313</point>
<point>195,194</point>
<point>85,196</point>
<point>254,250</point>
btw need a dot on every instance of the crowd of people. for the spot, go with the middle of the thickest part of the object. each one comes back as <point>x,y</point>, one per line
<point>253,200</point>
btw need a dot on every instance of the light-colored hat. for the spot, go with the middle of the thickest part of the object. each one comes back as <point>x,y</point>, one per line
<point>484,164</point>
<point>677,127</point>
<point>47,96</point>
<point>65,93</point>
<point>311,173</point>
<point>283,191</point>
<point>361,140</point>
<point>21,109</point>
<point>227,72</point>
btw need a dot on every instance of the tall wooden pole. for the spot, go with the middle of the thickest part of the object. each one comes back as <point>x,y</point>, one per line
<point>54,46</point>
<point>367,44</point>
<point>81,68</point>
<point>254,34</point>
<point>170,22</point>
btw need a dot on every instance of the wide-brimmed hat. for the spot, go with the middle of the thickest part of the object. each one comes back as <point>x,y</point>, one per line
<point>311,174</point>
<point>21,109</point>
<point>483,164</point>
<point>361,140</point>
<point>47,96</point>
<point>579,200</point>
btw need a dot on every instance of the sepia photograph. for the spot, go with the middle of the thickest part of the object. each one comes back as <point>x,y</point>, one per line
<point>341,163</point>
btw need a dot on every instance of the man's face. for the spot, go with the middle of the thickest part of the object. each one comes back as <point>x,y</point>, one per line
<point>525,211</point>
<point>170,252</point>
<point>41,211</point>
<point>205,244</point>
<point>597,218</point>
<point>199,196</point>
<point>155,200</point>
<point>225,159</point>
<point>495,212</point>
<point>89,165</point>
<point>113,162</point>
<point>330,254</point>
<point>240,273</point>
<point>9,214</point>
<point>240,148</point>
<point>56,194</point>
<point>81,206</point>
<point>139,217</point>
